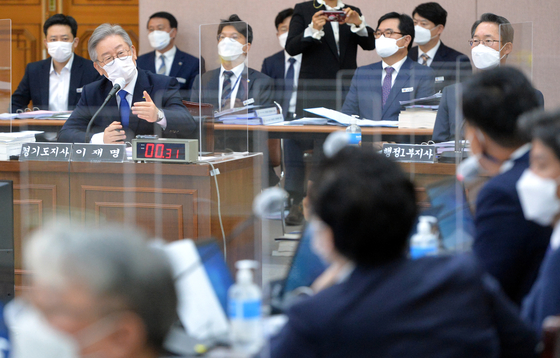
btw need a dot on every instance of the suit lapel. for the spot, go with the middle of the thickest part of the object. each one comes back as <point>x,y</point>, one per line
<point>401,81</point>
<point>245,85</point>
<point>343,36</point>
<point>44,85</point>
<point>177,63</point>
<point>152,62</point>
<point>210,90</point>
<point>439,57</point>
<point>75,79</point>
<point>376,89</point>
<point>142,84</point>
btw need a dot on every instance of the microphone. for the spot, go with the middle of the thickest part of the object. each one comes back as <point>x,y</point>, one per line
<point>118,84</point>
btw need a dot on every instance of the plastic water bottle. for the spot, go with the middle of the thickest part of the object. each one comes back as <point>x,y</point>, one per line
<point>424,242</point>
<point>244,309</point>
<point>354,132</point>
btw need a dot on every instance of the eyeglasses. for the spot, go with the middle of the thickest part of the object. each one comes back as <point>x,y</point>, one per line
<point>236,37</point>
<point>109,60</point>
<point>487,42</point>
<point>387,33</point>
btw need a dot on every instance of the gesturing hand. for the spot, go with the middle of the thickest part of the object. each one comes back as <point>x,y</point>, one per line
<point>146,110</point>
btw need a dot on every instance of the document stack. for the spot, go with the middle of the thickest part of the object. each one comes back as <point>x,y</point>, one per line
<point>10,143</point>
<point>250,116</point>
<point>417,118</point>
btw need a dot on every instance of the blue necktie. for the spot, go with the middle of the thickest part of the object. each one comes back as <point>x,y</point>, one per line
<point>124,108</point>
<point>288,88</point>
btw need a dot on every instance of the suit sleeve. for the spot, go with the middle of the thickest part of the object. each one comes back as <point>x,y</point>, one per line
<point>179,121</point>
<point>264,89</point>
<point>516,338</point>
<point>195,89</point>
<point>265,68</point>
<point>351,104</point>
<point>442,127</point>
<point>22,95</point>
<point>296,42</point>
<point>74,129</point>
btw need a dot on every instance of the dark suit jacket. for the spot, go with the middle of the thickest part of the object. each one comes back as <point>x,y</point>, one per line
<point>34,86</point>
<point>365,97</point>
<point>509,247</point>
<point>445,64</point>
<point>444,127</point>
<point>163,90</point>
<point>544,298</point>
<point>321,61</point>
<point>274,66</point>
<point>259,87</point>
<point>185,68</point>
<point>431,307</point>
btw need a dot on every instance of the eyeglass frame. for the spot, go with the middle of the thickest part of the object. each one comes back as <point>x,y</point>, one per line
<point>483,42</point>
<point>383,33</point>
<point>113,58</point>
<point>235,36</point>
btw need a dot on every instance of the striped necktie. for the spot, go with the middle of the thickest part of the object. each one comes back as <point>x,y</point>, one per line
<point>425,59</point>
<point>227,87</point>
<point>162,68</point>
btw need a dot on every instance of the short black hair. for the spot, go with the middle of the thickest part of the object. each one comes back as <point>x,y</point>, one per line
<point>431,11</point>
<point>165,15</point>
<point>283,15</point>
<point>542,125</point>
<point>493,101</point>
<point>236,22</point>
<point>406,24</point>
<point>369,204</point>
<point>504,26</point>
<point>60,19</point>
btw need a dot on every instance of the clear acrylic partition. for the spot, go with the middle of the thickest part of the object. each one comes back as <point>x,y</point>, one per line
<point>521,55</point>
<point>231,129</point>
<point>5,65</point>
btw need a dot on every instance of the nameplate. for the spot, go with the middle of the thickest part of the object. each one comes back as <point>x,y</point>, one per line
<point>82,152</point>
<point>410,152</point>
<point>45,152</point>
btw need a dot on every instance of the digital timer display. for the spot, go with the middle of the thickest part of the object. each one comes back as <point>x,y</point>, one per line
<point>162,151</point>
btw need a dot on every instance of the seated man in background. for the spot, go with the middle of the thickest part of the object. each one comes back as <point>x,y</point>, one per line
<point>104,290</point>
<point>491,43</point>
<point>508,246</point>
<point>147,104</point>
<point>376,89</point>
<point>55,84</point>
<point>429,23</point>
<point>231,84</point>
<point>382,304</point>
<point>540,199</point>
<point>167,59</point>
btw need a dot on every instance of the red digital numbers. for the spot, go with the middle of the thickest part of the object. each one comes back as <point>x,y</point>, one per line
<point>159,151</point>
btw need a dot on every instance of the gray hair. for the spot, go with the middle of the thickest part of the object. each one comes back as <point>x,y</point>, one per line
<point>114,263</point>
<point>103,31</point>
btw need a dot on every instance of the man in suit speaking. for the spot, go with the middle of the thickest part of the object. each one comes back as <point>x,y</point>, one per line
<point>376,89</point>
<point>147,104</point>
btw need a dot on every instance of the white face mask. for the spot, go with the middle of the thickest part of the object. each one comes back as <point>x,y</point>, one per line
<point>121,69</point>
<point>485,58</point>
<point>230,49</point>
<point>386,47</point>
<point>159,39</point>
<point>538,198</point>
<point>422,35</point>
<point>60,51</point>
<point>282,39</point>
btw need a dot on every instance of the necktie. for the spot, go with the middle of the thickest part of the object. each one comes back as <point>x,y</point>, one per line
<point>425,59</point>
<point>124,109</point>
<point>162,69</point>
<point>288,87</point>
<point>387,83</point>
<point>226,87</point>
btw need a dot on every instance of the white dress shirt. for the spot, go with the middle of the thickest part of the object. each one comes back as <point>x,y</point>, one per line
<point>59,85</point>
<point>129,89</point>
<point>297,67</point>
<point>235,79</point>
<point>310,31</point>
<point>169,57</point>
<point>430,54</point>
<point>397,67</point>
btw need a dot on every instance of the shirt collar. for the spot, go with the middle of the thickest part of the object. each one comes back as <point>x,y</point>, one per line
<point>519,152</point>
<point>430,53</point>
<point>129,88</point>
<point>338,6</point>
<point>397,66</point>
<point>287,57</point>
<point>68,65</point>
<point>169,54</point>
<point>237,70</point>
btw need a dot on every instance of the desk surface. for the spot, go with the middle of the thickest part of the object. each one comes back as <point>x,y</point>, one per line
<point>33,122</point>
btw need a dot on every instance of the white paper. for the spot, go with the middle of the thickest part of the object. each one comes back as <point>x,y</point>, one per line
<point>345,119</point>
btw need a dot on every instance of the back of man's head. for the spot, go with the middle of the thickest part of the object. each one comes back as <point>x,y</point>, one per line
<point>114,265</point>
<point>493,100</point>
<point>432,11</point>
<point>368,203</point>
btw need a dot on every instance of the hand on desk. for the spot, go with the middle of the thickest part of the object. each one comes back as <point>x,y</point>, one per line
<point>146,110</point>
<point>114,133</point>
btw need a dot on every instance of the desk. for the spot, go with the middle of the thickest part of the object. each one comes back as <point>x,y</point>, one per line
<point>171,201</point>
<point>47,125</point>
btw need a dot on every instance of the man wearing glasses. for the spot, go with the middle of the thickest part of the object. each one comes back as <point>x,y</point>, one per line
<point>147,104</point>
<point>491,42</point>
<point>376,89</point>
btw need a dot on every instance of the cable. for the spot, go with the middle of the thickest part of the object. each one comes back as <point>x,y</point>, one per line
<point>214,174</point>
